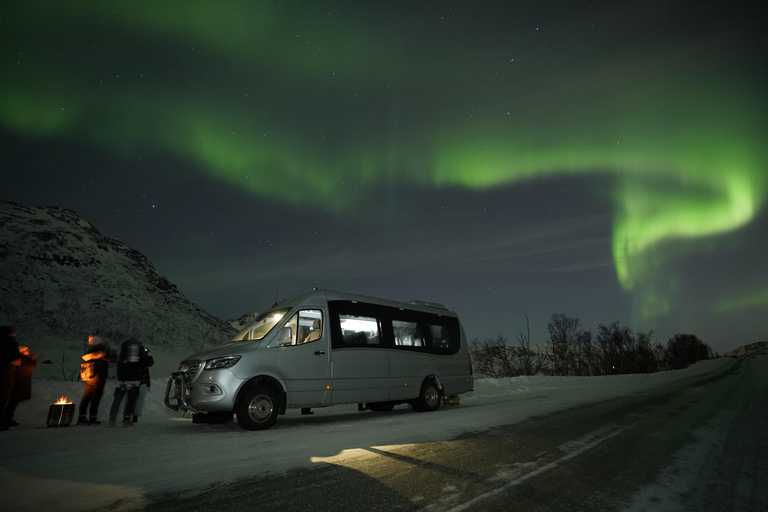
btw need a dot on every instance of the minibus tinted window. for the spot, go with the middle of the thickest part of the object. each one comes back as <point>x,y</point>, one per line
<point>355,324</point>
<point>444,337</point>
<point>407,334</point>
<point>359,330</point>
<point>360,324</point>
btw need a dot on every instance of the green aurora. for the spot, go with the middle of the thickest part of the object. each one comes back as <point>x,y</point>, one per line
<point>304,104</point>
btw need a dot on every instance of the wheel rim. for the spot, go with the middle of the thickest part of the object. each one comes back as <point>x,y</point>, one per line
<point>431,396</point>
<point>260,408</point>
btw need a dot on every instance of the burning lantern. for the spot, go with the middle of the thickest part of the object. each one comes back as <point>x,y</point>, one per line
<point>61,413</point>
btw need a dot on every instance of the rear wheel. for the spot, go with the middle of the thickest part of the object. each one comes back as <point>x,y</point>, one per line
<point>258,408</point>
<point>429,396</point>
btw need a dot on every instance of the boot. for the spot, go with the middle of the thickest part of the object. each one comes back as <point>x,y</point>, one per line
<point>111,422</point>
<point>135,419</point>
<point>82,420</point>
<point>93,421</point>
<point>127,422</point>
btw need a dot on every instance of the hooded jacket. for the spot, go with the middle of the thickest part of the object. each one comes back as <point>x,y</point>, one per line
<point>102,355</point>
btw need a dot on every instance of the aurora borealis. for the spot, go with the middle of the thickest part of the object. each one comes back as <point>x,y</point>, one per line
<point>606,161</point>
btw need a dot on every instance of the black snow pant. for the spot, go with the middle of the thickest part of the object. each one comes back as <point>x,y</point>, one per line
<point>132,393</point>
<point>94,388</point>
<point>6,387</point>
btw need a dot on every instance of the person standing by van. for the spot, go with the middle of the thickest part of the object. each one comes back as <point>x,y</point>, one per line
<point>94,372</point>
<point>138,407</point>
<point>133,358</point>
<point>22,386</point>
<point>10,358</point>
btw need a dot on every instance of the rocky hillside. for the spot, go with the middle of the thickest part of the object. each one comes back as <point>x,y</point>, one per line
<point>62,280</point>
<point>243,320</point>
<point>753,349</point>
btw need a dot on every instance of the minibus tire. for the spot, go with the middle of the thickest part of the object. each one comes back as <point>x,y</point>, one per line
<point>258,408</point>
<point>429,397</point>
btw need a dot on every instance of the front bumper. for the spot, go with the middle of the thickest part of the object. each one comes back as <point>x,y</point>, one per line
<point>193,388</point>
<point>177,393</point>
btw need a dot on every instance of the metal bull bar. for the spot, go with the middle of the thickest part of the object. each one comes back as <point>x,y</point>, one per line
<point>179,380</point>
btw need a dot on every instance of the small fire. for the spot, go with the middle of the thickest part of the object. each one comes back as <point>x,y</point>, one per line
<point>62,401</point>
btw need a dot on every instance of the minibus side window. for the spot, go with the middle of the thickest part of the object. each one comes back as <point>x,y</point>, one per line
<point>310,325</point>
<point>407,334</point>
<point>444,336</point>
<point>439,334</point>
<point>355,324</point>
<point>359,330</point>
<point>303,327</point>
<point>405,328</point>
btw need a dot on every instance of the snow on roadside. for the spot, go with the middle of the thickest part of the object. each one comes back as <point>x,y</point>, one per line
<point>559,390</point>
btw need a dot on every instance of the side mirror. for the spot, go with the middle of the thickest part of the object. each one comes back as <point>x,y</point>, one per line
<point>285,337</point>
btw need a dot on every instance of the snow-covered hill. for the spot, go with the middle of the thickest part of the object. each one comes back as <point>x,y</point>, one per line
<point>244,320</point>
<point>62,280</point>
<point>753,349</point>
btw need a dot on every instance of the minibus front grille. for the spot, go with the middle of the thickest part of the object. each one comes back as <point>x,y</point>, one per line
<point>190,369</point>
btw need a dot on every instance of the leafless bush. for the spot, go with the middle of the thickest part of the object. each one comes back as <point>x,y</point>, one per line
<point>494,357</point>
<point>67,371</point>
<point>571,350</point>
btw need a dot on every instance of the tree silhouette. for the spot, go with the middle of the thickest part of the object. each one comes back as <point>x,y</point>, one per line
<point>686,349</point>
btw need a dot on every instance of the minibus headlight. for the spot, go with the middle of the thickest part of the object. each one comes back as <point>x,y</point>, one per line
<point>222,362</point>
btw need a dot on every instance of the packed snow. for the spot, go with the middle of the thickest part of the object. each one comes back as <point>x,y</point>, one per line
<point>97,466</point>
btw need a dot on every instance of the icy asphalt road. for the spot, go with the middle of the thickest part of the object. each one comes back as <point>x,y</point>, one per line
<point>699,444</point>
<point>687,440</point>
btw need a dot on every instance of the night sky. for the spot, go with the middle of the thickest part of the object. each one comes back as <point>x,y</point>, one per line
<point>606,160</point>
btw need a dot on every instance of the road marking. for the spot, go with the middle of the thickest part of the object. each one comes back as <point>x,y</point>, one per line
<point>578,446</point>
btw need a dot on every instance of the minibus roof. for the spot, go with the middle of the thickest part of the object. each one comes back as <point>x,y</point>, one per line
<point>336,295</point>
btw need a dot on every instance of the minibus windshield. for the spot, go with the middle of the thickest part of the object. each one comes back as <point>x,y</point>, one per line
<point>263,324</point>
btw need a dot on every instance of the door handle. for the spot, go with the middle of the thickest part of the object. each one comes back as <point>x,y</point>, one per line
<point>319,352</point>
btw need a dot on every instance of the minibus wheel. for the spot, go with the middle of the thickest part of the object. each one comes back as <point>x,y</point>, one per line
<point>258,408</point>
<point>429,397</point>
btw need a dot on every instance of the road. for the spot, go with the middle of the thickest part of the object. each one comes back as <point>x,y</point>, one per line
<point>698,444</point>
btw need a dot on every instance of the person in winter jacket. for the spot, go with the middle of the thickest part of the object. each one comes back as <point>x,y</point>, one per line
<point>10,358</point>
<point>143,390</point>
<point>134,358</point>
<point>22,386</point>
<point>97,357</point>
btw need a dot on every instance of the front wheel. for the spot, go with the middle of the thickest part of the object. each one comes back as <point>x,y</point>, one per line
<point>258,408</point>
<point>429,396</point>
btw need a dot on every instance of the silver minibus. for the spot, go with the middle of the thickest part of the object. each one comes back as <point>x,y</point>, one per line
<point>326,348</point>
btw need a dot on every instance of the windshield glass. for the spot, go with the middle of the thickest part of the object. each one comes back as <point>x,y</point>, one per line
<point>262,325</point>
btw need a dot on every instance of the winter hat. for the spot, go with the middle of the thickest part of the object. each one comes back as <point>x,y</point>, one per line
<point>94,340</point>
